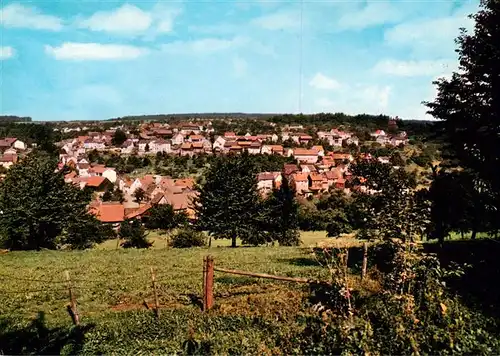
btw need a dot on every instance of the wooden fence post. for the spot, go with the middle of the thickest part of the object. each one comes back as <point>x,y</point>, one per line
<point>153,282</point>
<point>208,283</point>
<point>72,310</point>
<point>365,261</point>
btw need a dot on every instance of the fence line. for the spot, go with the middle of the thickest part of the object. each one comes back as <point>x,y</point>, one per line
<point>158,284</point>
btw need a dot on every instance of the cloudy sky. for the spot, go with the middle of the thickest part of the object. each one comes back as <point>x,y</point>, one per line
<point>78,59</point>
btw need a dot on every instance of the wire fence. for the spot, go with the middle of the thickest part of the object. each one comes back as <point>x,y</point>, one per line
<point>144,289</point>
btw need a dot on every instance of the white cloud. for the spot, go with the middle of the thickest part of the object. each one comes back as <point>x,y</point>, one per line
<point>165,17</point>
<point>321,81</point>
<point>16,15</point>
<point>413,68</point>
<point>357,99</point>
<point>373,14</point>
<point>6,52</point>
<point>278,21</point>
<point>432,37</point>
<point>205,45</point>
<point>94,51</point>
<point>240,66</point>
<point>125,19</point>
<point>130,19</point>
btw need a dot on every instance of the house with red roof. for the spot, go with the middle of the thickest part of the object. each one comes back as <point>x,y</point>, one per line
<point>109,212</point>
<point>305,155</point>
<point>300,182</point>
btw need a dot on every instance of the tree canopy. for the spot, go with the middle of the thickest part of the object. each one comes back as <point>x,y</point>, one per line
<point>280,216</point>
<point>39,210</point>
<point>119,137</point>
<point>469,102</point>
<point>227,203</point>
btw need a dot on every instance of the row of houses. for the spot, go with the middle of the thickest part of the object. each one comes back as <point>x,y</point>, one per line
<point>159,190</point>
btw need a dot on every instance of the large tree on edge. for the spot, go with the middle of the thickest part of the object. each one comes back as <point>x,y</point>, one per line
<point>469,102</point>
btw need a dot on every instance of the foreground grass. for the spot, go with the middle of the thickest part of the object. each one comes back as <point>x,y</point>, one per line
<point>111,286</point>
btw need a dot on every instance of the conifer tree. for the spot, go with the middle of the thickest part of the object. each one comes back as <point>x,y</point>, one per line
<point>227,203</point>
<point>281,215</point>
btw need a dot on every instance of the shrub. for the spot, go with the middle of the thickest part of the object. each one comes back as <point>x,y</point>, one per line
<point>185,238</point>
<point>134,234</point>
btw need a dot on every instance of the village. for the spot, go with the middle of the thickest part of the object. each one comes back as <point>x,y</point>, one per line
<point>314,170</point>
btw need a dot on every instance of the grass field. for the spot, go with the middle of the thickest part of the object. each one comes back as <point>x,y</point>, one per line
<point>111,285</point>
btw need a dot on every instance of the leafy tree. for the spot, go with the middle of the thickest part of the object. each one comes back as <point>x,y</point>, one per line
<point>186,238</point>
<point>107,196</point>
<point>146,162</point>
<point>164,217</point>
<point>118,195</point>
<point>228,201</point>
<point>280,218</point>
<point>36,206</point>
<point>85,231</point>
<point>338,224</point>
<point>397,159</point>
<point>119,137</point>
<point>390,211</point>
<point>134,234</point>
<point>468,104</point>
<point>139,194</point>
<point>470,210</point>
<point>93,155</point>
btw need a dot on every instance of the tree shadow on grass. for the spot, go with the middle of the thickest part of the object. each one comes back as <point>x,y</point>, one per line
<point>301,261</point>
<point>38,339</point>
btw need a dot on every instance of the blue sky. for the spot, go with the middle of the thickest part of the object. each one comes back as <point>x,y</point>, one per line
<point>83,60</point>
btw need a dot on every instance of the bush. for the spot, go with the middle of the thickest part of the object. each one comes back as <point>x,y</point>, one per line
<point>185,238</point>
<point>414,313</point>
<point>134,234</point>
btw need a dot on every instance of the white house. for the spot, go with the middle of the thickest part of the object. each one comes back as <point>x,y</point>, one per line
<point>178,139</point>
<point>305,155</point>
<point>254,148</point>
<point>94,145</point>
<point>20,145</point>
<point>128,147</point>
<point>142,145</point>
<point>219,143</point>
<point>160,146</point>
<point>378,133</point>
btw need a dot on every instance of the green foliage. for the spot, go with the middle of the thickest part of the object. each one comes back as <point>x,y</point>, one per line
<point>164,217</point>
<point>228,201</point>
<point>413,314</point>
<point>119,137</point>
<point>397,159</point>
<point>85,232</point>
<point>118,195</point>
<point>107,196</point>
<point>139,194</point>
<point>37,206</point>
<point>471,210</point>
<point>134,234</point>
<point>338,224</point>
<point>423,160</point>
<point>280,216</point>
<point>185,238</point>
<point>392,210</point>
<point>468,104</point>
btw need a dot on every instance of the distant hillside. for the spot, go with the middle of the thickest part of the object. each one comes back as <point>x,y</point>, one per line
<point>12,118</point>
<point>173,117</point>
